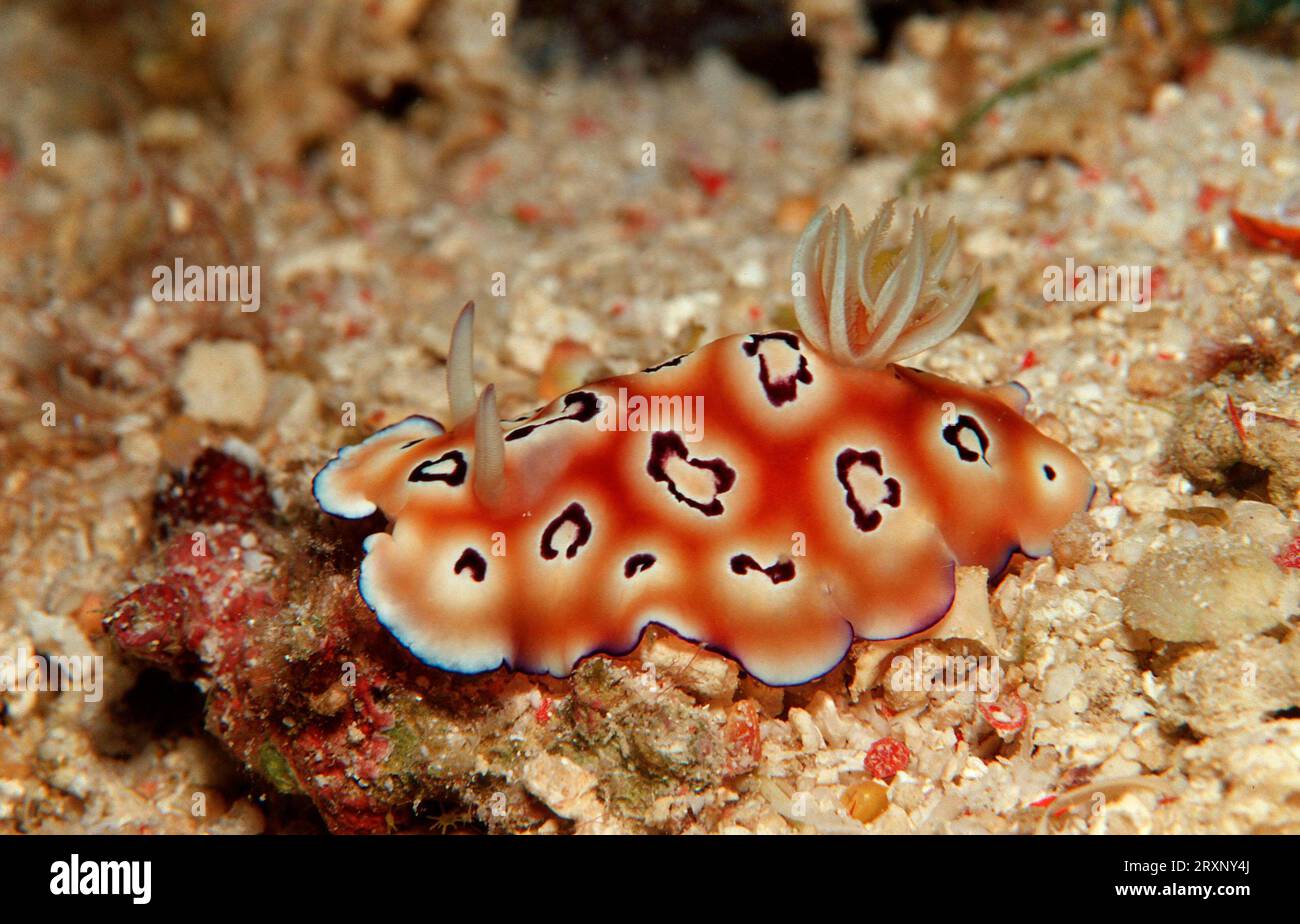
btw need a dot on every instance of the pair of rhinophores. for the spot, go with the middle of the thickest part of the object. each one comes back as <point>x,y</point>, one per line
<point>831,496</point>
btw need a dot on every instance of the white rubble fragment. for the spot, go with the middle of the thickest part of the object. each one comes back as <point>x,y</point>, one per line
<point>750,274</point>
<point>708,676</point>
<point>970,617</point>
<point>834,729</point>
<point>223,381</point>
<point>569,791</point>
<point>1059,680</point>
<point>810,736</point>
<point>346,257</point>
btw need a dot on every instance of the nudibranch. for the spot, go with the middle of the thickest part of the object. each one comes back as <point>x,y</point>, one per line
<point>771,495</point>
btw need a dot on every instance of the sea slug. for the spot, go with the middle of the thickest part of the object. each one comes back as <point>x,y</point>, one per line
<point>771,495</point>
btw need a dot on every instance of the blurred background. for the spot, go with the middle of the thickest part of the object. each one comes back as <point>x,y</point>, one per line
<point>613,183</point>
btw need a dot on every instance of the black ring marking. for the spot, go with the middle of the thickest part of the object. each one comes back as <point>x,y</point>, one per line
<point>667,443</point>
<point>786,389</point>
<point>952,436</point>
<point>865,520</point>
<point>778,573</point>
<point>412,443</point>
<point>454,478</point>
<point>477,565</point>
<point>575,514</point>
<point>589,406</point>
<point>641,561</point>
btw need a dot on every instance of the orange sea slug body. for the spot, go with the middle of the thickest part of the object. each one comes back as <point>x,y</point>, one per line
<point>758,495</point>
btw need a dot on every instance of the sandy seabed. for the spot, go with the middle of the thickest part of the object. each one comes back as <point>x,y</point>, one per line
<point>1151,665</point>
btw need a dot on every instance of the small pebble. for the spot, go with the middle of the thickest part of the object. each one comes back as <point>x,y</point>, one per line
<point>866,802</point>
<point>223,381</point>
